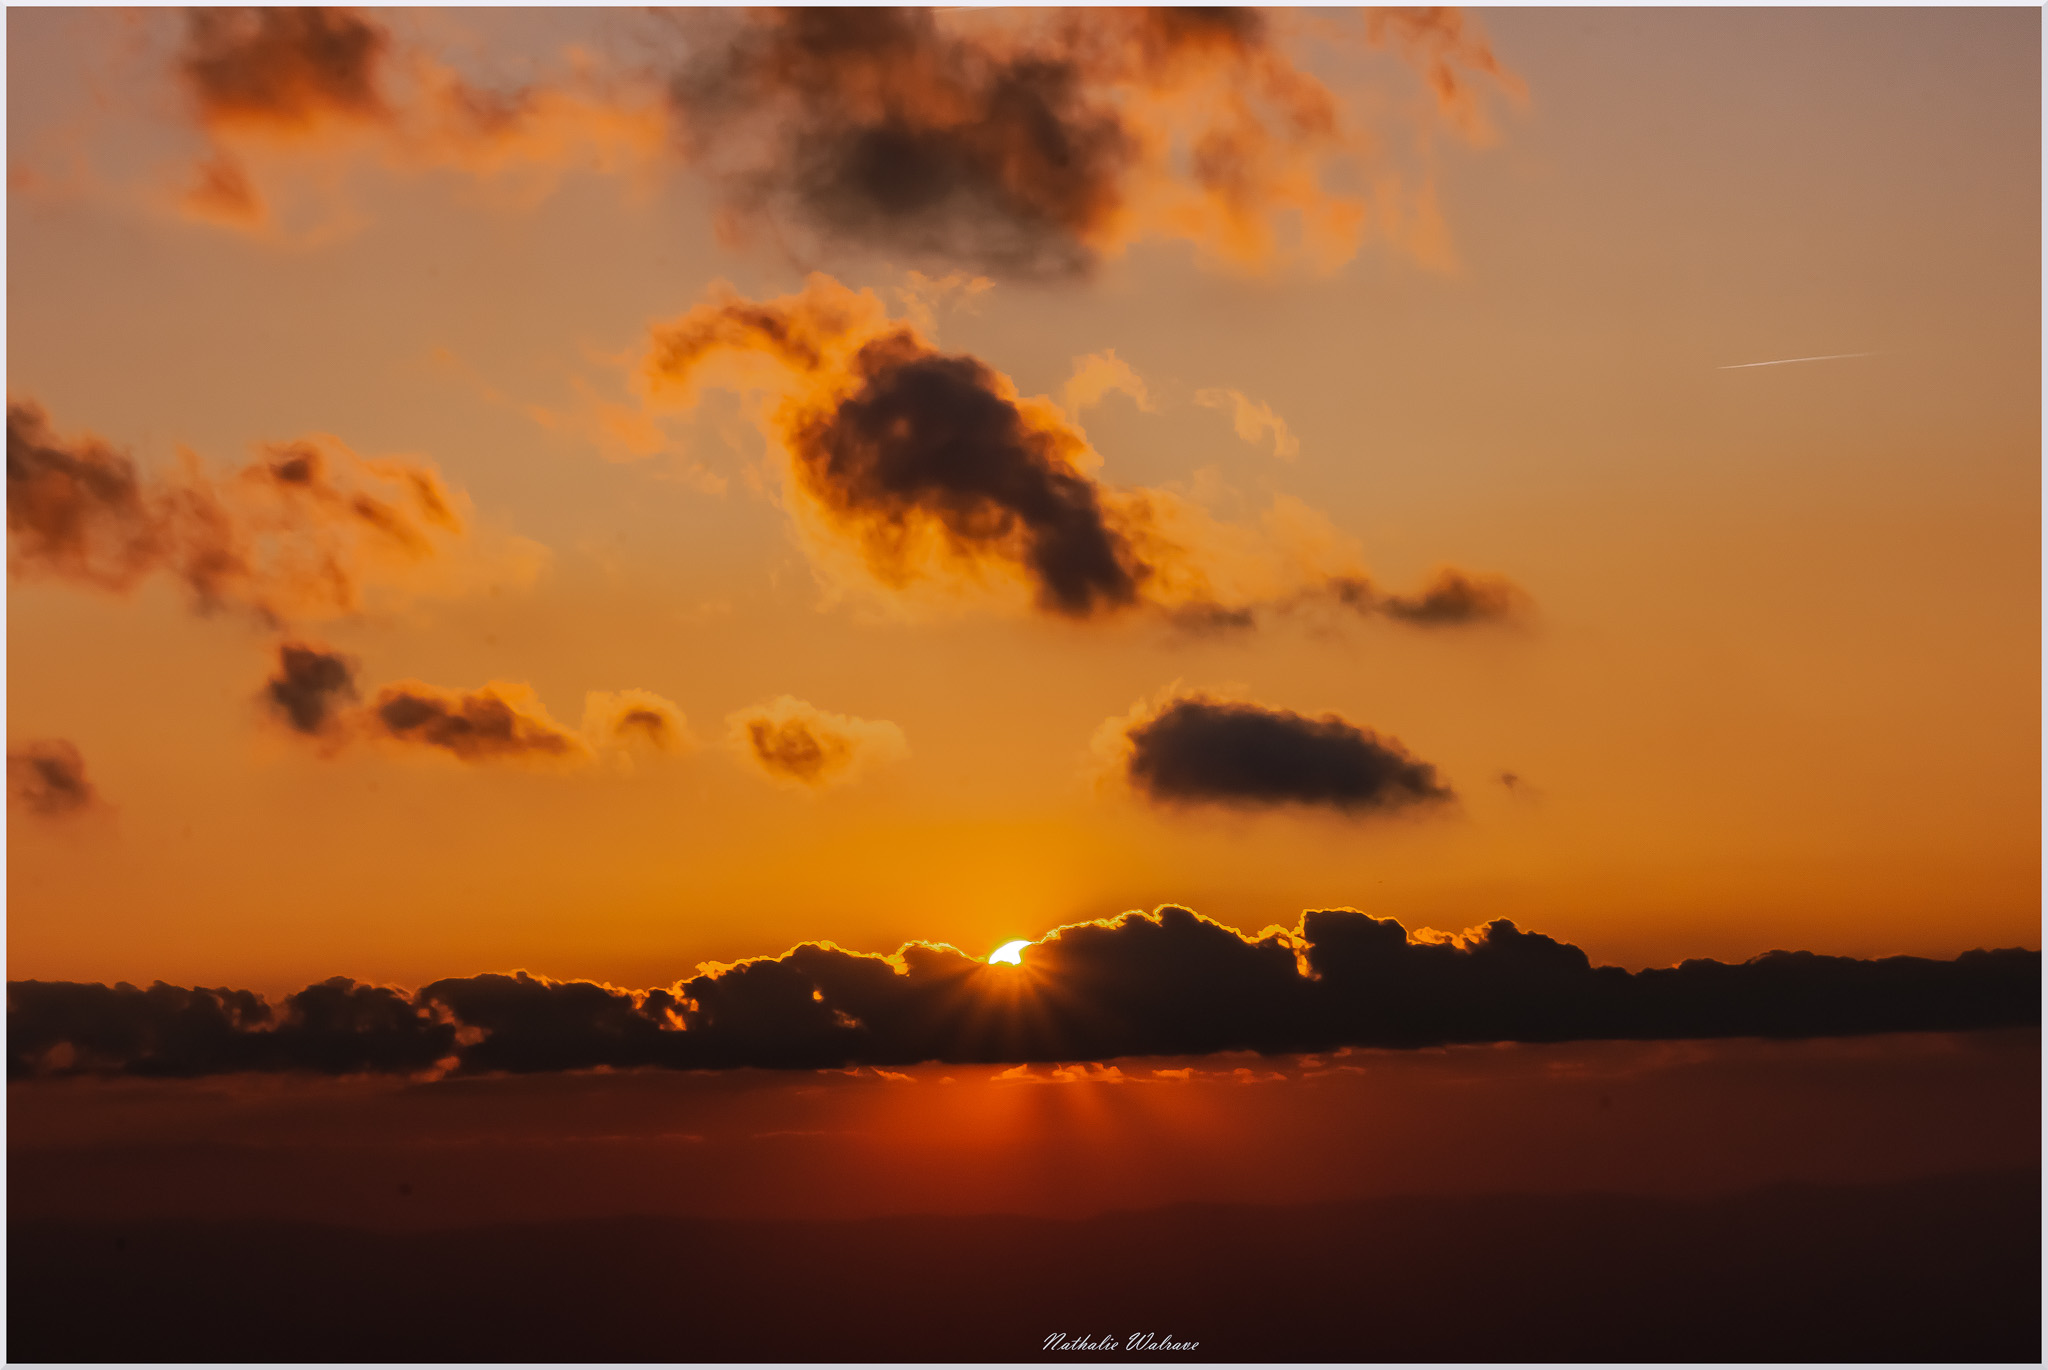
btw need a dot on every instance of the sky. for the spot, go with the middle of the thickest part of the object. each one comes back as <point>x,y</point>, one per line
<point>1420,538</point>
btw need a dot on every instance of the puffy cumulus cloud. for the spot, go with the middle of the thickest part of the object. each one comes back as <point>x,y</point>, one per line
<point>907,466</point>
<point>502,721</point>
<point>792,740</point>
<point>1253,421</point>
<point>314,691</point>
<point>47,778</point>
<point>311,688</point>
<point>270,85</point>
<point>635,719</point>
<point>1035,143</point>
<point>1166,983</point>
<point>1190,748</point>
<point>306,530</point>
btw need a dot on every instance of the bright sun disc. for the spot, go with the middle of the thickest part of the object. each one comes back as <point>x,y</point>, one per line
<point>1009,953</point>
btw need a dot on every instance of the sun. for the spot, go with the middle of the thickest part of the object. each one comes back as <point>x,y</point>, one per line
<point>1009,953</point>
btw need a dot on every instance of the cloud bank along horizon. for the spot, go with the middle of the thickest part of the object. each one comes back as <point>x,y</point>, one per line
<point>1171,983</point>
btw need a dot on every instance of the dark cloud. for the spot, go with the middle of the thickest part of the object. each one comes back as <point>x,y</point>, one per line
<point>1454,597</point>
<point>936,439</point>
<point>1194,749</point>
<point>934,468</point>
<point>296,532</point>
<point>1170,983</point>
<point>1027,148</point>
<point>47,778</point>
<point>286,67</point>
<point>500,722</point>
<point>312,686</point>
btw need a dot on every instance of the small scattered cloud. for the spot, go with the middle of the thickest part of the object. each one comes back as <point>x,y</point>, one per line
<point>635,720</point>
<point>46,779</point>
<point>1253,421</point>
<point>1100,374</point>
<point>312,688</point>
<point>307,530</point>
<point>795,741</point>
<point>1190,748</point>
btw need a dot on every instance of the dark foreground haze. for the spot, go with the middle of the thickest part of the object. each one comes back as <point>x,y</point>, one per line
<point>1867,1198</point>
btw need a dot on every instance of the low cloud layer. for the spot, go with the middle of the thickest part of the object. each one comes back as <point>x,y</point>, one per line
<point>1033,143</point>
<point>46,778</point>
<point>799,742</point>
<point>929,468</point>
<point>1192,748</point>
<point>1170,983</point>
<point>304,531</point>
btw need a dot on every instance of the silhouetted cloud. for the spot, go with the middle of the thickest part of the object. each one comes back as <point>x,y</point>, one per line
<point>1168,983</point>
<point>931,467</point>
<point>1454,597</point>
<point>1031,143</point>
<point>502,721</point>
<point>314,691</point>
<point>311,687</point>
<point>300,531</point>
<point>1192,748</point>
<point>793,740</point>
<point>47,778</point>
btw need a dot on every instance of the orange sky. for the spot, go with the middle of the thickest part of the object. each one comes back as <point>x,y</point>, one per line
<point>1776,685</point>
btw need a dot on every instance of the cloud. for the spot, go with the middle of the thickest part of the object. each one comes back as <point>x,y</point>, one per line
<point>1193,748</point>
<point>1454,597</point>
<point>269,85</point>
<point>1033,144</point>
<point>314,691</point>
<point>634,718</point>
<point>502,721</point>
<point>795,741</point>
<point>312,687</point>
<point>1099,373</point>
<point>1253,421</point>
<point>306,530</point>
<point>1166,983</point>
<point>909,467</point>
<point>289,67</point>
<point>46,778</point>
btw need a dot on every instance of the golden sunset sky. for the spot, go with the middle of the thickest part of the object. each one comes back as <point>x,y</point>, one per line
<point>1770,677</point>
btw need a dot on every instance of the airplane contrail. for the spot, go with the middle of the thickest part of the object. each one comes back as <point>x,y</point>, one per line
<point>1787,361</point>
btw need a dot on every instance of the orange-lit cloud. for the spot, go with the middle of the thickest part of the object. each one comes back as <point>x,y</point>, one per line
<point>46,778</point>
<point>1253,420</point>
<point>931,468</point>
<point>1035,143</point>
<point>1171,983</point>
<point>305,531</point>
<point>1099,374</point>
<point>500,721</point>
<point>1189,748</point>
<point>313,691</point>
<point>269,86</point>
<point>792,740</point>
<point>634,719</point>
